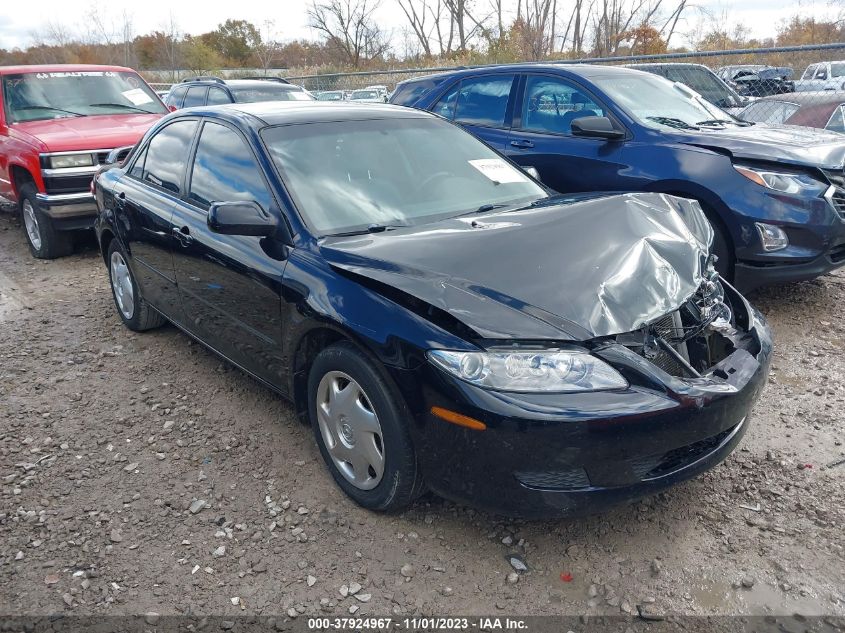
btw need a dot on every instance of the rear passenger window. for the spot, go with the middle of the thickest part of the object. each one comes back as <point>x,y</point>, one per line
<point>175,96</point>
<point>195,96</point>
<point>217,96</point>
<point>166,153</point>
<point>225,170</point>
<point>837,120</point>
<point>479,101</point>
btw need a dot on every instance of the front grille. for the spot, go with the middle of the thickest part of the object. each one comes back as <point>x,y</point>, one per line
<point>567,479</point>
<point>67,184</point>
<point>837,254</point>
<point>678,458</point>
<point>837,179</point>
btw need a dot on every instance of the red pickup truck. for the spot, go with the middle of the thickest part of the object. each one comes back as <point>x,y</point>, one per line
<point>58,123</point>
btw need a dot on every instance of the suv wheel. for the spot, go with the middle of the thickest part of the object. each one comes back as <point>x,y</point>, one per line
<point>45,242</point>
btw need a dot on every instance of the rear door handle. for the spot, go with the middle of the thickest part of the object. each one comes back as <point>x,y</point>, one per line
<point>183,235</point>
<point>522,144</point>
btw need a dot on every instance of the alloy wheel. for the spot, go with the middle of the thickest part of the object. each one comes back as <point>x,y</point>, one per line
<point>350,429</point>
<point>121,283</point>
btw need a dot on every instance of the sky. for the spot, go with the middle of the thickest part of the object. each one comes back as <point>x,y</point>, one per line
<point>17,25</point>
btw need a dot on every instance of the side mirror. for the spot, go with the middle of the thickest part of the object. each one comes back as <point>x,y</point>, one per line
<point>241,218</point>
<point>118,154</point>
<point>596,127</point>
<point>531,171</point>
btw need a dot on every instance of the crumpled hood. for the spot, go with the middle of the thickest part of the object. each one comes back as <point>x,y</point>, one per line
<point>598,266</point>
<point>90,132</point>
<point>791,144</point>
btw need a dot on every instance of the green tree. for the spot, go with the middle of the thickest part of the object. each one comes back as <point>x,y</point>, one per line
<point>199,57</point>
<point>234,40</point>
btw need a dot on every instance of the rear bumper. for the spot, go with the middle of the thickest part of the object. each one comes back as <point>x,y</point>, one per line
<point>72,210</point>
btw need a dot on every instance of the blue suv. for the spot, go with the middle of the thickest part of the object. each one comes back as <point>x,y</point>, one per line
<point>775,195</point>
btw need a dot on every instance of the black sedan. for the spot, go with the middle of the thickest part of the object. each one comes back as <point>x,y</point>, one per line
<point>441,320</point>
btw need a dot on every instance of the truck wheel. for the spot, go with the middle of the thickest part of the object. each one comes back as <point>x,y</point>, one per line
<point>45,242</point>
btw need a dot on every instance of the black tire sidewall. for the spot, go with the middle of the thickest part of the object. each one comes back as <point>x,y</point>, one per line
<point>53,243</point>
<point>399,483</point>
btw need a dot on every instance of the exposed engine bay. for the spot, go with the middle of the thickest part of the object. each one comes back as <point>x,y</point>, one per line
<point>689,341</point>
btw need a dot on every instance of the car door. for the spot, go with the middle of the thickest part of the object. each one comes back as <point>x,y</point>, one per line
<point>482,105</point>
<point>541,137</point>
<point>230,285</point>
<point>147,197</point>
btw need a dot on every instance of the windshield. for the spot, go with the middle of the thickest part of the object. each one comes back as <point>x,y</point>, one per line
<point>330,96</point>
<point>837,70</point>
<point>56,95</point>
<point>364,94</point>
<point>656,102</point>
<point>348,175</point>
<point>704,83</point>
<point>270,92</point>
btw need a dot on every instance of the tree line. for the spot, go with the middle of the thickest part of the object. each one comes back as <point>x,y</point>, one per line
<point>349,36</point>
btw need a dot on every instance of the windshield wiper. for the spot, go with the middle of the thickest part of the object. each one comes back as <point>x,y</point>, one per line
<point>43,107</point>
<point>372,228</point>
<point>484,208</point>
<point>714,122</point>
<point>672,122</point>
<point>118,105</point>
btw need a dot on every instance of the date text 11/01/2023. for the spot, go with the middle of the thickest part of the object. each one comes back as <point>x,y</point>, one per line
<point>418,624</point>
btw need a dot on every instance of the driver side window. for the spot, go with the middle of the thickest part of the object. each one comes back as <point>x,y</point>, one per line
<point>551,104</point>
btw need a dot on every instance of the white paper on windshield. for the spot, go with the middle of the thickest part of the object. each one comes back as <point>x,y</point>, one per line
<point>299,96</point>
<point>498,170</point>
<point>137,96</point>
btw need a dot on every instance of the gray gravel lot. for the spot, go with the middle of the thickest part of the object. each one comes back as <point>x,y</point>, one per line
<point>140,473</point>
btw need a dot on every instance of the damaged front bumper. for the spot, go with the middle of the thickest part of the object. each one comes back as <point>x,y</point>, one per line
<point>570,454</point>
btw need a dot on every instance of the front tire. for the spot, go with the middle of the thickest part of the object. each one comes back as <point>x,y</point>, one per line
<point>360,424</point>
<point>45,242</point>
<point>132,308</point>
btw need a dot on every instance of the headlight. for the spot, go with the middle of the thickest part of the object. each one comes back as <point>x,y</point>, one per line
<point>549,371</point>
<point>71,160</point>
<point>787,182</point>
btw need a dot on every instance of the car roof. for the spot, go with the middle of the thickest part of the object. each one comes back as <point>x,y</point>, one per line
<point>60,68</point>
<point>667,65</point>
<point>581,70</point>
<point>259,83</point>
<point>820,97</point>
<point>287,112</point>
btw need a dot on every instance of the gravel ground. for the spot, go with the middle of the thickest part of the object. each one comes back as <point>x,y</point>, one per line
<point>141,473</point>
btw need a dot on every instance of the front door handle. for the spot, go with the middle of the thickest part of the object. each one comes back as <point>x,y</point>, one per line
<point>522,144</point>
<point>183,235</point>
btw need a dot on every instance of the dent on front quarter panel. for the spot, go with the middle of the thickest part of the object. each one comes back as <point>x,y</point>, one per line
<point>316,296</point>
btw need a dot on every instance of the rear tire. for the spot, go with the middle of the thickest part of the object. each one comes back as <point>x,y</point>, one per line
<point>132,308</point>
<point>362,429</point>
<point>45,242</point>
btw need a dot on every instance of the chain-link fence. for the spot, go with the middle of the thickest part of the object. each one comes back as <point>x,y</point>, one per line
<point>795,85</point>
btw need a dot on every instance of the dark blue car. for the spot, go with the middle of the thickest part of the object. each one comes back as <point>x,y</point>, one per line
<point>440,319</point>
<point>775,195</point>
